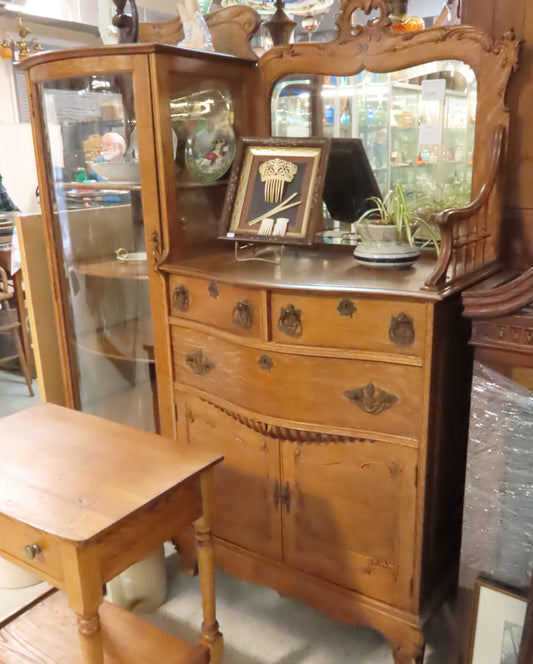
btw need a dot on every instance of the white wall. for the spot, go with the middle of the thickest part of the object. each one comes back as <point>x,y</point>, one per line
<point>17,165</point>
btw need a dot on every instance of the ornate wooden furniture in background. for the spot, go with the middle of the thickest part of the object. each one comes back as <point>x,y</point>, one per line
<point>502,326</point>
<point>231,29</point>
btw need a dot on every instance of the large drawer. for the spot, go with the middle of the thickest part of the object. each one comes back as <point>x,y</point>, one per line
<point>301,388</point>
<point>18,540</point>
<point>239,310</point>
<point>350,322</point>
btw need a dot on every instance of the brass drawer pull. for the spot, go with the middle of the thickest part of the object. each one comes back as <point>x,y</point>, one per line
<point>346,308</point>
<point>180,298</point>
<point>199,364</point>
<point>243,315</point>
<point>32,551</point>
<point>290,321</point>
<point>212,289</point>
<point>371,399</point>
<point>402,330</point>
<point>266,362</point>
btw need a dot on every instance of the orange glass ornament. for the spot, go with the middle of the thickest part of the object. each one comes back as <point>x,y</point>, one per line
<point>6,52</point>
<point>407,23</point>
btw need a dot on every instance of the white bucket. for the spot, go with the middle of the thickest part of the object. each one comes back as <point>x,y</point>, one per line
<point>13,576</point>
<point>142,587</point>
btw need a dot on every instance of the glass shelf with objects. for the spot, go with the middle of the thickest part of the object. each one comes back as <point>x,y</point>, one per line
<point>92,157</point>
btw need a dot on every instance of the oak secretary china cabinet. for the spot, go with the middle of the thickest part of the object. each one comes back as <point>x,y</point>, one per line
<point>337,394</point>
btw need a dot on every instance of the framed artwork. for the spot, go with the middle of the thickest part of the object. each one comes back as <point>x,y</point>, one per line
<point>498,617</point>
<point>275,189</point>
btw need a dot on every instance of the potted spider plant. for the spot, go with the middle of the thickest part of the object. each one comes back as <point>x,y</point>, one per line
<point>387,232</point>
<point>434,199</point>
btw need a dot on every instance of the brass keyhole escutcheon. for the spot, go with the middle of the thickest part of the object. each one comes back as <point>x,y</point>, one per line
<point>346,308</point>
<point>266,362</point>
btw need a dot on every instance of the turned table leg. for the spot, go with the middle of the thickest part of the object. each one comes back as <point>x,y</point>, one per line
<point>211,635</point>
<point>83,587</point>
<point>91,638</point>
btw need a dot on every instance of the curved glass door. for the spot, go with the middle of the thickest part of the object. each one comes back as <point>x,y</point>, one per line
<point>90,137</point>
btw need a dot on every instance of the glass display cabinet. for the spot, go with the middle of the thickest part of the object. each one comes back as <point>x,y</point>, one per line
<point>125,136</point>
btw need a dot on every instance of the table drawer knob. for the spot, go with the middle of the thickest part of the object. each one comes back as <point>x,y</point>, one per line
<point>32,551</point>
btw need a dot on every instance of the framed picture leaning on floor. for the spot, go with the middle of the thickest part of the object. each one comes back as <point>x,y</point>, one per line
<point>498,616</point>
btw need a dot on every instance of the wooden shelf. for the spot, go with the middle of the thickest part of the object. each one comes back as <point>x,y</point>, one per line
<point>128,340</point>
<point>200,185</point>
<point>108,185</point>
<point>48,632</point>
<point>112,268</point>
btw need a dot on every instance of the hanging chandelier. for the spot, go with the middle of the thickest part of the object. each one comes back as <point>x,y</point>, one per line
<point>18,49</point>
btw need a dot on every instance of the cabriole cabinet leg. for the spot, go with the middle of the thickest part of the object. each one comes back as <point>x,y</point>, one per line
<point>408,654</point>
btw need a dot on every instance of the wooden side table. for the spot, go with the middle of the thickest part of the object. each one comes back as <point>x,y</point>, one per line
<point>82,499</point>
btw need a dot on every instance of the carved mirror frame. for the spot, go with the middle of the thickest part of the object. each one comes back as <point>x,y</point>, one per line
<point>470,235</point>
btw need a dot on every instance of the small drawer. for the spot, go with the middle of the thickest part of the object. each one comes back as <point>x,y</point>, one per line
<point>343,321</point>
<point>303,388</point>
<point>237,310</point>
<point>34,547</point>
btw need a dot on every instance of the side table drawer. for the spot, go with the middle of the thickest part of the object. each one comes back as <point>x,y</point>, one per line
<point>238,310</point>
<point>15,536</point>
<point>308,389</point>
<point>349,322</point>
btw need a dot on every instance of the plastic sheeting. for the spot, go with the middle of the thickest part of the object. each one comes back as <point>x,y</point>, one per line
<point>498,508</point>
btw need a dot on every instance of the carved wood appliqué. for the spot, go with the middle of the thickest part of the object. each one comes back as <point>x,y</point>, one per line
<point>371,399</point>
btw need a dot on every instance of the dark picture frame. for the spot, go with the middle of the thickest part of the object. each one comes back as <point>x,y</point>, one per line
<point>498,619</point>
<point>350,180</point>
<point>275,190</point>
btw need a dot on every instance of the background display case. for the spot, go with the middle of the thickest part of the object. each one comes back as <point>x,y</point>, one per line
<point>417,124</point>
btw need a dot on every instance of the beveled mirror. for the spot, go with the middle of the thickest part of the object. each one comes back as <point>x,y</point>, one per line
<point>429,108</point>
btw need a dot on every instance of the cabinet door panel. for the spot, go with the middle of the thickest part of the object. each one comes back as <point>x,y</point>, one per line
<point>351,516</point>
<point>244,510</point>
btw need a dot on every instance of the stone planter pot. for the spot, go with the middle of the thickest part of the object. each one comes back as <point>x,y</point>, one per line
<point>381,247</point>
